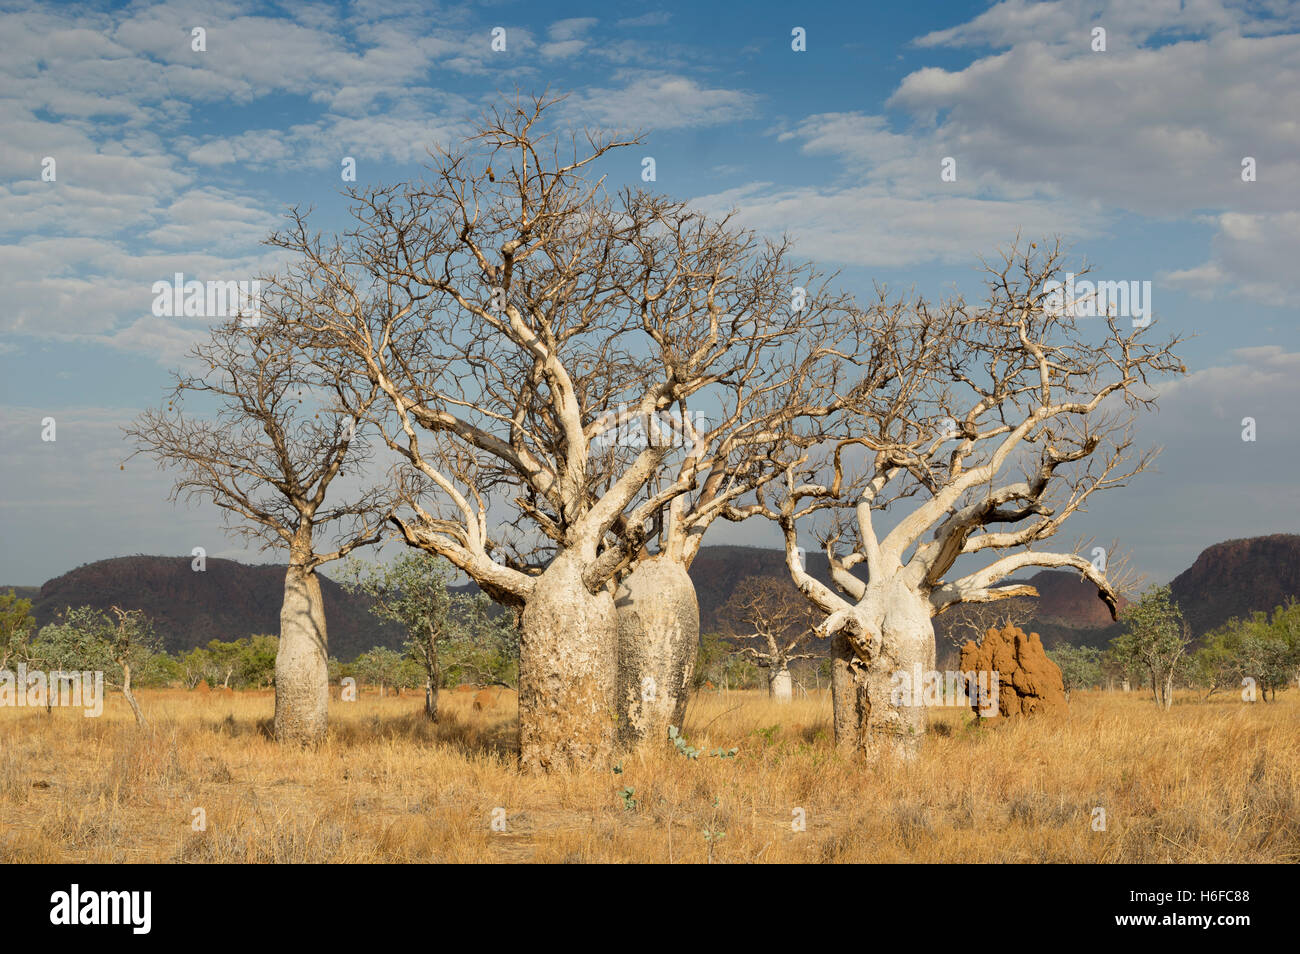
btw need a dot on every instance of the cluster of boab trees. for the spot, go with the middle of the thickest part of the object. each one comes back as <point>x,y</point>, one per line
<point>558,388</point>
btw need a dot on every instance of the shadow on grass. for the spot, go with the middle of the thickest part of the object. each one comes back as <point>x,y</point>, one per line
<point>497,738</point>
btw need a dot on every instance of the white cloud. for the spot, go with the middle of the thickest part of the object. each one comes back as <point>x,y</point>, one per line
<point>659,101</point>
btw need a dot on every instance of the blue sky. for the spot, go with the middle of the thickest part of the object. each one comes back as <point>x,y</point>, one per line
<point>168,159</point>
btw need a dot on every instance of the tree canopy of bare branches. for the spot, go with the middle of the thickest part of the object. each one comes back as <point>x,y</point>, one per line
<point>996,423</point>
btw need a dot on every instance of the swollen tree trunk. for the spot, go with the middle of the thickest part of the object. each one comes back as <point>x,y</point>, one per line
<point>658,638</point>
<point>302,663</point>
<point>779,685</point>
<point>889,632</point>
<point>567,661</point>
<point>850,704</point>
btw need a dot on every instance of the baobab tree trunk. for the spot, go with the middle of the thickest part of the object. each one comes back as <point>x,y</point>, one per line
<point>890,633</point>
<point>779,685</point>
<point>567,662</point>
<point>850,704</point>
<point>302,663</point>
<point>658,638</point>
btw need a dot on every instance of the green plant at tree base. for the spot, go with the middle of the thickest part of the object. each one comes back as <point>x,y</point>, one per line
<point>687,750</point>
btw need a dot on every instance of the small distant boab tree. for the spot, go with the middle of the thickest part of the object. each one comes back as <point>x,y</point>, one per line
<point>274,445</point>
<point>769,610</point>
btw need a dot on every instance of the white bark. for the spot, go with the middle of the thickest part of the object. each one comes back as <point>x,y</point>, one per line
<point>567,663</point>
<point>658,637</point>
<point>779,685</point>
<point>888,631</point>
<point>302,661</point>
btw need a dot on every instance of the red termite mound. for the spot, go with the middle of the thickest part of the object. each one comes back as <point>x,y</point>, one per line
<point>1028,682</point>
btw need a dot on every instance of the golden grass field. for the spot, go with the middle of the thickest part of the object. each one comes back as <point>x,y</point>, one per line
<point>1208,781</point>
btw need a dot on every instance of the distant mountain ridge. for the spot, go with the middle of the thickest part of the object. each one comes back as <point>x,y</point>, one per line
<point>227,600</point>
<point>230,600</point>
<point>1238,577</point>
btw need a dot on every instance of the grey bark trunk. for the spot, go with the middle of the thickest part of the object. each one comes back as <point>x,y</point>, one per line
<point>130,697</point>
<point>302,662</point>
<point>892,633</point>
<point>431,688</point>
<point>567,661</point>
<point>780,688</point>
<point>658,639</point>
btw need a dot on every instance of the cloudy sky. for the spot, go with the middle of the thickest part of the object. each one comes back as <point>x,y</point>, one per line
<point>170,159</point>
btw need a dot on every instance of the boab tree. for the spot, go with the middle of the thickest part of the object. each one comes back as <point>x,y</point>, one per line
<point>268,454</point>
<point>789,369</point>
<point>971,394</point>
<point>511,319</point>
<point>769,610</point>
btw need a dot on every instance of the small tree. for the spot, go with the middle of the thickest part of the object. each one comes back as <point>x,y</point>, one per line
<point>269,456</point>
<point>413,591</point>
<point>224,659</point>
<point>1271,648</point>
<point>1155,639</point>
<point>257,660</point>
<point>16,626</point>
<point>1080,666</point>
<point>768,609</point>
<point>88,639</point>
<point>710,660</point>
<point>1220,662</point>
<point>379,667</point>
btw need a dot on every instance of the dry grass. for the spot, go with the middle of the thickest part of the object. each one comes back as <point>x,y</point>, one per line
<point>1206,782</point>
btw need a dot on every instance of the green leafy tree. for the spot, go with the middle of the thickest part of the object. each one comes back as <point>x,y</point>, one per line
<point>197,666</point>
<point>1271,648</point>
<point>16,627</point>
<point>1221,662</point>
<point>379,667</point>
<point>1080,666</point>
<point>257,660</point>
<point>414,591</point>
<point>483,648</point>
<point>710,659</point>
<point>163,669</point>
<point>88,639</point>
<point>1155,638</point>
<point>225,660</point>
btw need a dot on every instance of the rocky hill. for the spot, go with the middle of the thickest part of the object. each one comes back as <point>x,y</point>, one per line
<point>230,600</point>
<point>1238,577</point>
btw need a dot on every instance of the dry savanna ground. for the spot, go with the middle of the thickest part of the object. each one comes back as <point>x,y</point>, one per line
<point>1208,781</point>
